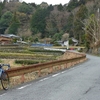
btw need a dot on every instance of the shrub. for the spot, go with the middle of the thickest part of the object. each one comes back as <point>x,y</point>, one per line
<point>26,62</point>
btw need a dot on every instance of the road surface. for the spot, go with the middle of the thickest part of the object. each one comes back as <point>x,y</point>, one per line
<point>82,82</point>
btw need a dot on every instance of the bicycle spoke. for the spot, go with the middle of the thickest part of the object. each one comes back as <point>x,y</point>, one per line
<point>5,80</point>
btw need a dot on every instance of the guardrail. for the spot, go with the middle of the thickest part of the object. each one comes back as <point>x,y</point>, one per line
<point>38,67</point>
<point>27,73</point>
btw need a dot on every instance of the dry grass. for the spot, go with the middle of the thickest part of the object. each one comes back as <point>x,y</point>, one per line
<point>11,62</point>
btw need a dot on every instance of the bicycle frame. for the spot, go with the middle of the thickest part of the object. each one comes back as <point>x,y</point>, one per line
<point>1,69</point>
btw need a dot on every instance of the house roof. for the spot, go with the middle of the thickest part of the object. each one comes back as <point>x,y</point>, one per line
<point>9,35</point>
<point>74,40</point>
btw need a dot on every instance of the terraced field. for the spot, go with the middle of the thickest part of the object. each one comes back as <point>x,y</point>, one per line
<point>17,56</point>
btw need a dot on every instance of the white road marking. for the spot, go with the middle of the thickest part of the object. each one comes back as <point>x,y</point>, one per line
<point>3,94</point>
<point>51,76</point>
<point>44,79</point>
<point>63,72</point>
<point>56,74</point>
<point>41,80</point>
<point>23,86</point>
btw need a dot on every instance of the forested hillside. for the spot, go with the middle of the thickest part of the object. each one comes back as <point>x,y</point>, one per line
<point>34,22</point>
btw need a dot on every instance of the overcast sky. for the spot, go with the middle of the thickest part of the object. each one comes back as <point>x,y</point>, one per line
<point>53,2</point>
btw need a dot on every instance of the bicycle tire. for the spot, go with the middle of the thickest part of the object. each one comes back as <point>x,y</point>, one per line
<point>5,80</point>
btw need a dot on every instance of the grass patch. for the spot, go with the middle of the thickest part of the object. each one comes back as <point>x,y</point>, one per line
<point>26,62</point>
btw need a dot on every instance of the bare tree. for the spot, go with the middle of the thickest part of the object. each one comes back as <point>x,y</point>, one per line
<point>92,27</point>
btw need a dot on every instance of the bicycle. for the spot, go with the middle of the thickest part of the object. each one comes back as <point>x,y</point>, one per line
<point>4,76</point>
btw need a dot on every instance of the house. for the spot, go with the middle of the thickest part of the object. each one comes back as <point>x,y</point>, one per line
<point>7,39</point>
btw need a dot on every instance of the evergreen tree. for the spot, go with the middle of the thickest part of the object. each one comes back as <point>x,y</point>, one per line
<point>57,36</point>
<point>72,4</point>
<point>1,8</point>
<point>25,8</point>
<point>82,2</point>
<point>38,21</point>
<point>5,21</point>
<point>60,7</point>
<point>50,8</point>
<point>13,28</point>
<point>0,11</point>
<point>69,25</point>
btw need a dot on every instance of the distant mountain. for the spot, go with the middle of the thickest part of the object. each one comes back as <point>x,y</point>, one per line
<point>47,20</point>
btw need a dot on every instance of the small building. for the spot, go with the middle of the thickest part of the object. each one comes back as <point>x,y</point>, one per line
<point>7,39</point>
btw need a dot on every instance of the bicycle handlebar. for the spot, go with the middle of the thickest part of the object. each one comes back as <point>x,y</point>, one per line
<point>1,65</point>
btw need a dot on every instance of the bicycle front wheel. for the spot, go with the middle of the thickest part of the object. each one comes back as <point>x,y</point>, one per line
<point>5,80</point>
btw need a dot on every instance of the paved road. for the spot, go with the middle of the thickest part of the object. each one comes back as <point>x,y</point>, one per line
<point>81,82</point>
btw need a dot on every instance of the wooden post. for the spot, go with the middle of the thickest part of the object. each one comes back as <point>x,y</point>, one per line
<point>22,78</point>
<point>39,73</point>
<point>66,65</point>
<point>51,69</point>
